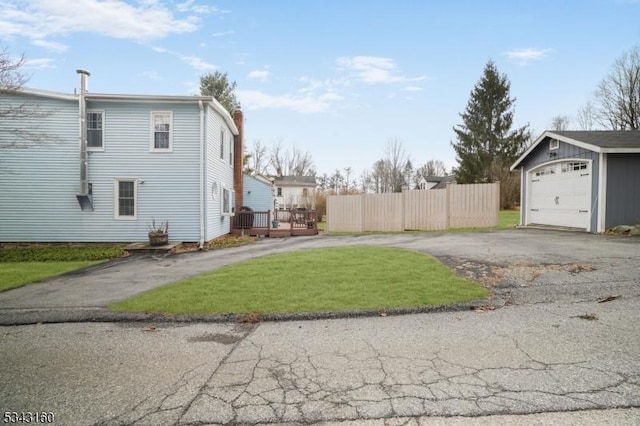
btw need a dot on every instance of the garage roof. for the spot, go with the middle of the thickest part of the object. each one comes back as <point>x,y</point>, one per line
<point>606,141</point>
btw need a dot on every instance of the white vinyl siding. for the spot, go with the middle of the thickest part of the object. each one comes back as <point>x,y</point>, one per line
<point>218,175</point>
<point>126,199</point>
<point>161,131</point>
<point>95,130</point>
<point>39,185</point>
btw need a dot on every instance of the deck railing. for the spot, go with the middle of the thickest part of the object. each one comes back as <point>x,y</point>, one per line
<point>263,222</point>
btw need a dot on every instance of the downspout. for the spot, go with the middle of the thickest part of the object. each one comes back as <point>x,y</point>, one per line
<point>202,185</point>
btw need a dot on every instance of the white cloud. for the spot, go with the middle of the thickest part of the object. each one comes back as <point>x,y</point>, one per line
<point>192,6</point>
<point>194,61</point>
<point>262,75</point>
<point>374,70</point>
<point>50,45</point>
<point>198,63</point>
<point>151,75</point>
<point>307,103</point>
<point>39,63</point>
<point>412,89</point>
<point>42,19</point>
<point>222,33</point>
<point>527,55</point>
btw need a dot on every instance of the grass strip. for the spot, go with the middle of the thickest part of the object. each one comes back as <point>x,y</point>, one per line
<point>328,279</point>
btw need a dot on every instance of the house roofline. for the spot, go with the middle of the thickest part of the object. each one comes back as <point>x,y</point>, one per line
<point>109,97</point>
<point>210,100</point>
<point>48,94</point>
<point>571,141</point>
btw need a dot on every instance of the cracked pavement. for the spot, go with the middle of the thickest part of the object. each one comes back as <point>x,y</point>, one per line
<point>551,349</point>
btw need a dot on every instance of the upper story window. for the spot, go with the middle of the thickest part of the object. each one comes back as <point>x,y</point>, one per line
<point>231,149</point>
<point>95,130</point>
<point>161,131</point>
<point>222,144</point>
<point>279,192</point>
<point>305,192</point>
<point>554,144</point>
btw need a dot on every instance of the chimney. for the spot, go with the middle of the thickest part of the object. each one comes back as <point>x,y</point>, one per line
<point>238,157</point>
<point>84,196</point>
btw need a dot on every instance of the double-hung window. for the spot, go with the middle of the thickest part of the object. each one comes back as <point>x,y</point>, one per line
<point>227,202</point>
<point>95,130</point>
<point>126,198</point>
<point>231,149</point>
<point>222,144</point>
<point>161,131</point>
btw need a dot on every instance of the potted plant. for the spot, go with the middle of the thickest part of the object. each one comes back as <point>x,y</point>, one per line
<point>159,233</point>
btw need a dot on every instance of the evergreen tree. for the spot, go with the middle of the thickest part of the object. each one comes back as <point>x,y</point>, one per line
<point>219,86</point>
<point>486,145</point>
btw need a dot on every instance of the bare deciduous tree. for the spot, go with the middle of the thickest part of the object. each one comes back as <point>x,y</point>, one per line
<point>16,131</point>
<point>294,162</point>
<point>586,117</point>
<point>618,95</point>
<point>560,123</point>
<point>258,157</point>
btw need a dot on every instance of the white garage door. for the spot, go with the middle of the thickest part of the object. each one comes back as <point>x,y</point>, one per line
<point>560,194</point>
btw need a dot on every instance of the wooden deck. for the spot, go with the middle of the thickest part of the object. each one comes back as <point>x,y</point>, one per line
<point>289,223</point>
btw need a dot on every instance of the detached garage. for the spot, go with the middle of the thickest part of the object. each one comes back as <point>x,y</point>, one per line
<point>588,180</point>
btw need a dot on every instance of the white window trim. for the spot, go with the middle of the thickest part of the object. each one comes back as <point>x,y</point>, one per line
<point>554,144</point>
<point>231,201</point>
<point>152,146</point>
<point>231,153</point>
<point>94,149</point>
<point>116,196</point>
<point>223,135</point>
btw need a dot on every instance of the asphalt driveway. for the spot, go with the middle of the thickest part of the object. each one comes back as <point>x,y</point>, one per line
<point>542,351</point>
<point>519,266</point>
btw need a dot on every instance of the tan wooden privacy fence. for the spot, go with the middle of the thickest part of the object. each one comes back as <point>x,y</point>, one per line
<point>457,206</point>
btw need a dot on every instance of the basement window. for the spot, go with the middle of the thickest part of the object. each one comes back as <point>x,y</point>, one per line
<point>126,199</point>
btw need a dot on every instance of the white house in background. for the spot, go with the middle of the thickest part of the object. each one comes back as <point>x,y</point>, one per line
<point>295,192</point>
<point>435,182</point>
<point>113,163</point>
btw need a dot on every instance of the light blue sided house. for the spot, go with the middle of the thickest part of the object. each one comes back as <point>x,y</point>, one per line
<point>101,167</point>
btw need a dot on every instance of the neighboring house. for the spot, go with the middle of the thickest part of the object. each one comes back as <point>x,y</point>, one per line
<point>295,192</point>
<point>435,182</point>
<point>581,179</point>
<point>132,159</point>
<point>258,192</point>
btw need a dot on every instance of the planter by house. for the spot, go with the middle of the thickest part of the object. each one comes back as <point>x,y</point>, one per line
<point>156,239</point>
<point>159,233</point>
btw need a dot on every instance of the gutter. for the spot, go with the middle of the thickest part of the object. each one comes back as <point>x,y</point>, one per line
<point>202,185</point>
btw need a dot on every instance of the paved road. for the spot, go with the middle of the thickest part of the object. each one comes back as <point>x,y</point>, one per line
<point>549,346</point>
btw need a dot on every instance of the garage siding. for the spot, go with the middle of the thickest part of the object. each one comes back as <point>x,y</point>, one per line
<point>623,190</point>
<point>540,155</point>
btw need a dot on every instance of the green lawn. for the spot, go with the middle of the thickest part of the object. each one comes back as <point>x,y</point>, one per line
<point>24,265</point>
<point>508,219</point>
<point>330,279</point>
<point>17,274</point>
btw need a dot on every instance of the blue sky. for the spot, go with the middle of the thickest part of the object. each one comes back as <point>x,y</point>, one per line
<point>335,78</point>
